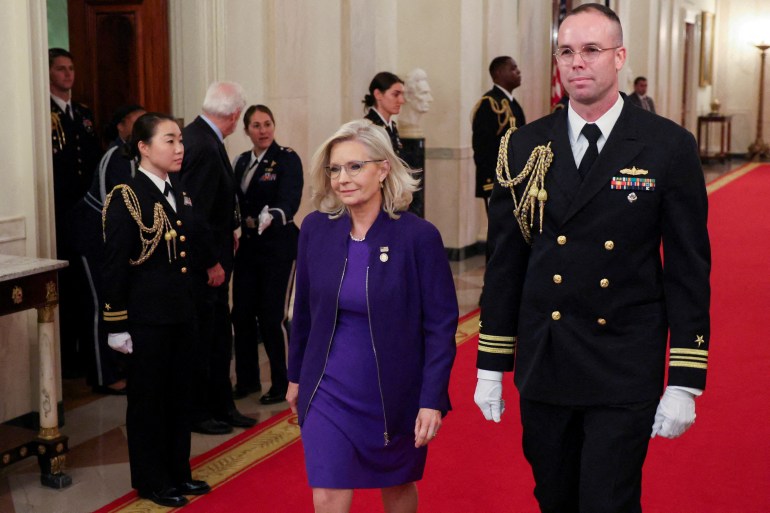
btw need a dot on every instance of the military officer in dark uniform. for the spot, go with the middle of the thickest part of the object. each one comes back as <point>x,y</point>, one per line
<point>269,184</point>
<point>495,113</point>
<point>117,166</point>
<point>385,98</point>
<point>76,152</point>
<point>577,291</point>
<point>208,177</point>
<point>150,313</point>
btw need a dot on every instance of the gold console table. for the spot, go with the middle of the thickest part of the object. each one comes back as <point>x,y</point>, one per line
<point>27,283</point>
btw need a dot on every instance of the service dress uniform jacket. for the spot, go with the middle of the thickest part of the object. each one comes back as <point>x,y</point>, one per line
<point>76,153</point>
<point>148,293</point>
<point>116,167</point>
<point>587,307</point>
<point>264,263</point>
<point>277,182</point>
<point>392,130</point>
<point>492,116</point>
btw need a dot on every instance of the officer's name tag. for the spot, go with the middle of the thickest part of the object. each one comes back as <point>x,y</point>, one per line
<point>631,183</point>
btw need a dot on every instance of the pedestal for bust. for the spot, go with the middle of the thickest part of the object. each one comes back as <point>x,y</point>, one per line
<point>413,153</point>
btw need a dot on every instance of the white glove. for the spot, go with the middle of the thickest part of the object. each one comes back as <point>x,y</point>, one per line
<point>120,342</point>
<point>265,218</point>
<point>676,413</point>
<point>489,394</point>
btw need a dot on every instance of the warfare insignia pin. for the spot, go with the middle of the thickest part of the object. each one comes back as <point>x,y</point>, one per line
<point>633,171</point>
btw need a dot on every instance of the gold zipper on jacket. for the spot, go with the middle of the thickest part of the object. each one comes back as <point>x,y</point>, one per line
<point>329,348</point>
<point>376,361</point>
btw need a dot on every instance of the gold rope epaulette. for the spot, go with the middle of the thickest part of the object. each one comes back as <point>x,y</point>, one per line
<point>505,117</point>
<point>150,237</point>
<point>57,131</point>
<point>534,193</point>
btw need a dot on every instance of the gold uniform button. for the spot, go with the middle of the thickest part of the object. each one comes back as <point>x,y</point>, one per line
<point>183,254</point>
<point>604,283</point>
<point>557,278</point>
<point>184,270</point>
<point>561,239</point>
<point>556,315</point>
<point>182,238</point>
<point>179,223</point>
<point>609,245</point>
<point>601,322</point>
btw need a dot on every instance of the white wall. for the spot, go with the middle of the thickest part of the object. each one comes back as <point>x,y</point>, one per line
<point>26,198</point>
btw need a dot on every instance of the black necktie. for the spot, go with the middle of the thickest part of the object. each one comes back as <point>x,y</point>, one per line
<point>592,133</point>
<point>68,111</point>
<point>168,190</point>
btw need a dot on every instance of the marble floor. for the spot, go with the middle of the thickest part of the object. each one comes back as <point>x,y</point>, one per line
<point>95,424</point>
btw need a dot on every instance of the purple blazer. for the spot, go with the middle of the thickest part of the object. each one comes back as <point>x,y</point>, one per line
<point>413,312</point>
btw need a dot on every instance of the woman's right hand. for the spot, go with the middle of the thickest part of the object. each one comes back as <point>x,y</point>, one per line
<point>291,396</point>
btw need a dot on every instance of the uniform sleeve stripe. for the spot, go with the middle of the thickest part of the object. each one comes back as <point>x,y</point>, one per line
<point>496,338</point>
<point>689,358</point>
<point>111,319</point>
<point>691,365</point>
<point>694,352</point>
<point>495,351</point>
<point>115,314</point>
<point>488,187</point>
<point>496,344</point>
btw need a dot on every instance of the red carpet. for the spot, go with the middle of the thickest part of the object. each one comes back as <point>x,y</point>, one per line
<point>721,465</point>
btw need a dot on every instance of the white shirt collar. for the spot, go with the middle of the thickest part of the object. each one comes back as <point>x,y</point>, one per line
<point>605,123</point>
<point>257,158</point>
<point>159,183</point>
<point>61,103</point>
<point>507,94</point>
<point>388,124</point>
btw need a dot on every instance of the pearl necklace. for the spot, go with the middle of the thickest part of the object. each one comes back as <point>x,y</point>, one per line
<point>354,239</point>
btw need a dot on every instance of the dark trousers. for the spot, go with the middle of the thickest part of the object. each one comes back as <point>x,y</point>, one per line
<point>587,459</point>
<point>104,363</point>
<point>157,418</point>
<point>213,351</point>
<point>261,292</point>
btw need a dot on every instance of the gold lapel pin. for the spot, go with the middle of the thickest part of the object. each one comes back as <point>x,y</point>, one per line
<point>633,171</point>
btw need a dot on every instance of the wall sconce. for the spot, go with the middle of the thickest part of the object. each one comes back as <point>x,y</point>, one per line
<point>759,148</point>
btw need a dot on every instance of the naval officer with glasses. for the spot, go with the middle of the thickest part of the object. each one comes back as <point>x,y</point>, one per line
<point>576,288</point>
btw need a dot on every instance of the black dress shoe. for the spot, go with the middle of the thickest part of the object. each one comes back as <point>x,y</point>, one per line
<point>273,396</point>
<point>241,392</point>
<point>169,497</point>
<point>211,427</point>
<point>107,390</point>
<point>193,487</point>
<point>236,419</point>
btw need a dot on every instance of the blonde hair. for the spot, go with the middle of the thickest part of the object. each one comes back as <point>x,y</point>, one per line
<point>399,184</point>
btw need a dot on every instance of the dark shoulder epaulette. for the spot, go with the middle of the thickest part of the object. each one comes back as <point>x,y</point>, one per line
<point>287,149</point>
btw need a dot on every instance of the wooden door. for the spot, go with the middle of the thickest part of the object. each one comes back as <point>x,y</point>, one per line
<point>121,51</point>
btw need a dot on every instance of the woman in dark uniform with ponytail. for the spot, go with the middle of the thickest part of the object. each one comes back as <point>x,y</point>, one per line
<point>148,310</point>
<point>385,98</point>
<point>269,186</point>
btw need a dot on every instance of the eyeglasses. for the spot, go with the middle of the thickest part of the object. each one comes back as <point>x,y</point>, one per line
<point>588,53</point>
<point>352,168</point>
